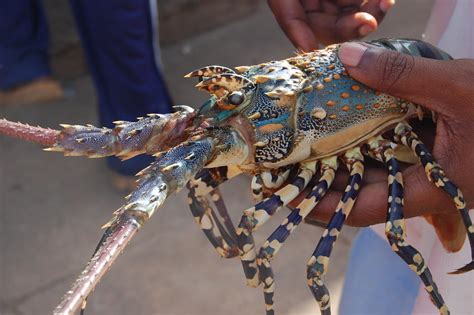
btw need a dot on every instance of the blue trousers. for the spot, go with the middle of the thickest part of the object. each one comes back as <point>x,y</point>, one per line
<point>117,37</point>
<point>377,280</point>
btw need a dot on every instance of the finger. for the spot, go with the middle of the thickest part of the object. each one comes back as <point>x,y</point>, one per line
<point>374,175</point>
<point>428,82</point>
<point>371,175</point>
<point>329,7</point>
<point>386,5</point>
<point>370,207</point>
<point>421,197</point>
<point>311,5</point>
<point>323,26</point>
<point>349,3</point>
<point>377,8</point>
<point>326,207</point>
<point>355,25</point>
<point>340,181</point>
<point>292,19</point>
<point>335,29</point>
<point>358,18</point>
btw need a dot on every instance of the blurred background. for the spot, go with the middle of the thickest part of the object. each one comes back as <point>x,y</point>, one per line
<point>52,207</point>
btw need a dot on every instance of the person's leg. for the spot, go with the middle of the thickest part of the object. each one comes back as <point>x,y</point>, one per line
<point>24,67</point>
<point>377,281</point>
<point>23,42</point>
<point>118,40</point>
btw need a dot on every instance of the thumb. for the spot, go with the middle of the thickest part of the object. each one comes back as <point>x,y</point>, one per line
<point>424,81</point>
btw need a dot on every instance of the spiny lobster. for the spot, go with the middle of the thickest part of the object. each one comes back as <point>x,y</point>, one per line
<point>287,123</point>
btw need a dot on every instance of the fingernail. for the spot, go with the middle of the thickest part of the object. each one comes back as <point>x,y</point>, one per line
<point>351,53</point>
<point>364,30</point>
<point>385,5</point>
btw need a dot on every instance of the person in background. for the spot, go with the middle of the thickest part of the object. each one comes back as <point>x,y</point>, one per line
<point>379,282</point>
<point>120,40</point>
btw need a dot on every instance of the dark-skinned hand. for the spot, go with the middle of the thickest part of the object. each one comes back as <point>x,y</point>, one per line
<point>445,87</point>
<point>308,23</point>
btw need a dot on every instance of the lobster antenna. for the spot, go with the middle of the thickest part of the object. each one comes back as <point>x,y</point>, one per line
<point>167,175</point>
<point>113,242</point>
<point>104,237</point>
<point>44,136</point>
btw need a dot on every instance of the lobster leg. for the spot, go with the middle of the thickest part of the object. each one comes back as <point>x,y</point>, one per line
<point>206,183</point>
<point>381,150</point>
<point>269,180</point>
<point>319,261</point>
<point>257,187</point>
<point>218,200</point>
<point>224,214</point>
<point>273,244</point>
<point>256,216</point>
<point>436,174</point>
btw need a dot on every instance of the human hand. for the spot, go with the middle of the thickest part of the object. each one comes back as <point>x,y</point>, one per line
<point>444,87</point>
<point>308,23</point>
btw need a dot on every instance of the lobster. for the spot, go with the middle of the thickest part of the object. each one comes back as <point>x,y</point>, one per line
<point>289,124</point>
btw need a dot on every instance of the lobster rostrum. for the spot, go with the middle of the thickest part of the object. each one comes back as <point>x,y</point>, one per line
<point>289,124</point>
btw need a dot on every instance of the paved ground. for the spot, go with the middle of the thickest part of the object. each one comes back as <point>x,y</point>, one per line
<point>52,207</point>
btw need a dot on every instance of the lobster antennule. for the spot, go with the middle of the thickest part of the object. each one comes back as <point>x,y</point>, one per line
<point>39,135</point>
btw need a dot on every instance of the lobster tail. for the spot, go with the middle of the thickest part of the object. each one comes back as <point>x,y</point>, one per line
<point>412,47</point>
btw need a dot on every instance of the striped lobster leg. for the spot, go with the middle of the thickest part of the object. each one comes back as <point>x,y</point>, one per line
<point>273,244</point>
<point>221,235</point>
<point>382,151</point>
<point>257,187</point>
<point>436,174</point>
<point>319,261</point>
<point>269,180</point>
<point>256,216</point>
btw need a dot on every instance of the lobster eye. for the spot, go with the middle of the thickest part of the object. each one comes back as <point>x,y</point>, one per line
<point>236,98</point>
